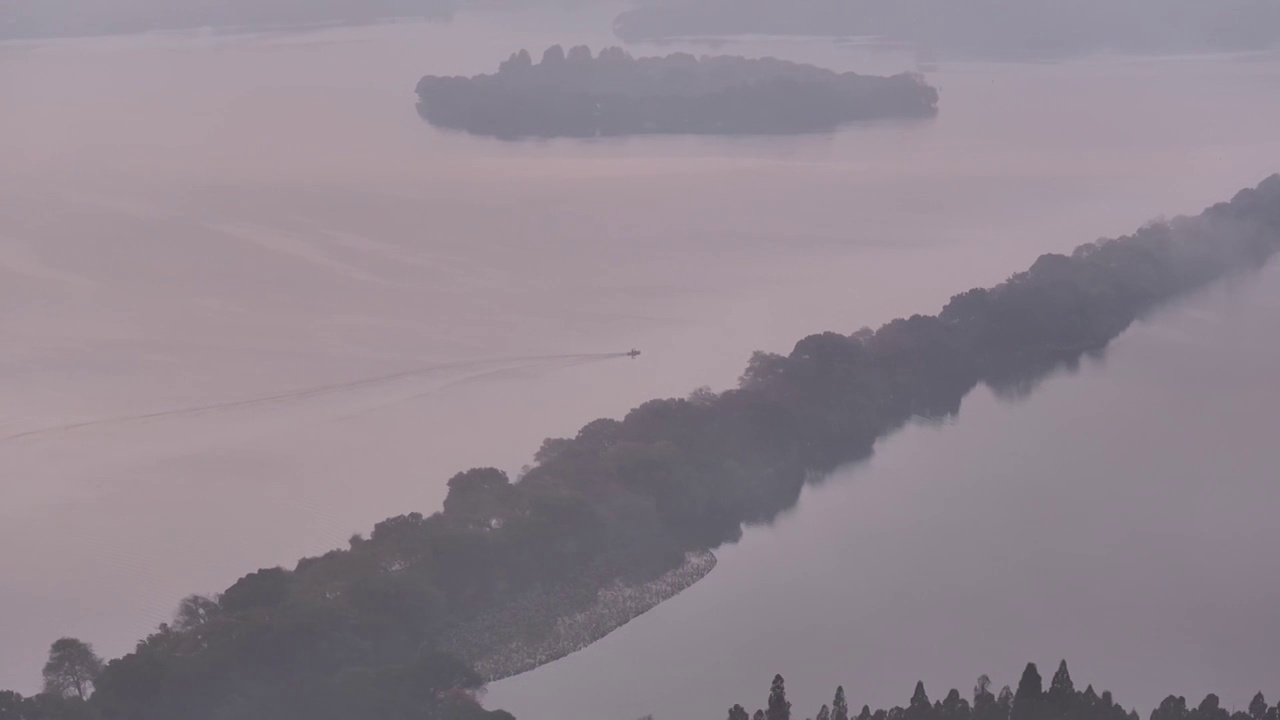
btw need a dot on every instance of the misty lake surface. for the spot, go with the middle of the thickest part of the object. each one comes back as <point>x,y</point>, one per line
<point>1122,516</point>
<point>199,221</point>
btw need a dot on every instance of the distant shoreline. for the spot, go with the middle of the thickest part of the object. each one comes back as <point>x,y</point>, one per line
<point>199,31</point>
<point>1044,31</point>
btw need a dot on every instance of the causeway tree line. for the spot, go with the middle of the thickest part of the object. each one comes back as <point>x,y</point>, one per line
<point>357,632</point>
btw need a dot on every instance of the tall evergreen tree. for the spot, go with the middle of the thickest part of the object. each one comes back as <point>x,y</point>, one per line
<point>1258,707</point>
<point>1004,703</point>
<point>1027,701</point>
<point>1090,705</point>
<point>840,706</point>
<point>779,707</point>
<point>920,708</point>
<point>1062,692</point>
<point>919,698</point>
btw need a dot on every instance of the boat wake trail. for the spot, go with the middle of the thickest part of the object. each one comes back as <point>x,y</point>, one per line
<point>322,390</point>
<point>564,363</point>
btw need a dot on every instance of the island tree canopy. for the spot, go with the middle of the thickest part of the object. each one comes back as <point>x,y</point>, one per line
<point>574,94</point>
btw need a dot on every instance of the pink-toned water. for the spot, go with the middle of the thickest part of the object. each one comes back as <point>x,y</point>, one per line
<point>190,221</point>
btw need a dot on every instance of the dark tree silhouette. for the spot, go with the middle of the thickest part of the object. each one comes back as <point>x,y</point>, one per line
<point>737,712</point>
<point>984,703</point>
<point>1038,705</point>
<point>920,707</point>
<point>839,705</point>
<point>1062,692</point>
<point>779,708</point>
<point>72,669</point>
<point>1210,709</point>
<point>262,589</point>
<point>953,707</point>
<point>10,705</point>
<point>1258,707</point>
<point>1030,694</point>
<point>194,612</point>
<point>1004,702</point>
<point>615,94</point>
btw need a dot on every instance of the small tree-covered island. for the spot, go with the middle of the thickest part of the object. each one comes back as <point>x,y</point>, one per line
<point>411,621</point>
<point>576,94</point>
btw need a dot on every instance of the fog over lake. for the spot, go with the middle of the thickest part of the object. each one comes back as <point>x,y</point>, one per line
<point>1121,516</point>
<point>192,221</point>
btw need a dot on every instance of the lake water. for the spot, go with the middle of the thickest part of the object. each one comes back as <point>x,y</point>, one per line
<point>190,221</point>
<point>1122,516</point>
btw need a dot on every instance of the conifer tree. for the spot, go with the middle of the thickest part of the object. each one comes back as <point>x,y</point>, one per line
<point>840,706</point>
<point>1090,697</point>
<point>1062,692</point>
<point>1026,702</point>
<point>779,708</point>
<point>1004,703</point>
<point>1258,707</point>
<point>920,708</point>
